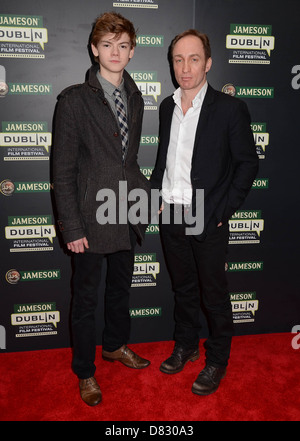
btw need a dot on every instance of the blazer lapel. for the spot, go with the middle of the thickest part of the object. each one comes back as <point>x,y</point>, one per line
<point>169,115</point>
<point>204,114</point>
<point>166,122</point>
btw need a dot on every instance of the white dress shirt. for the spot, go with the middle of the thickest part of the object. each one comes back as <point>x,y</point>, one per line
<point>176,186</point>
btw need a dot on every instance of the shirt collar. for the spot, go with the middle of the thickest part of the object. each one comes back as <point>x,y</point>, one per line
<point>108,87</point>
<point>197,101</point>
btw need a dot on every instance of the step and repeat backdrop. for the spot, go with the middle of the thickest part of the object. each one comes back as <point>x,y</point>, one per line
<point>43,49</point>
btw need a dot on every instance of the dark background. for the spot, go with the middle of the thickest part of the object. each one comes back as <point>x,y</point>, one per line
<point>65,62</point>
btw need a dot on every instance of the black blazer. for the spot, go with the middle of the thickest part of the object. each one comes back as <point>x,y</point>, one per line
<point>224,161</point>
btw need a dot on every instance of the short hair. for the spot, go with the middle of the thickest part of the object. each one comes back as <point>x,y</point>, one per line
<point>112,22</point>
<point>203,37</point>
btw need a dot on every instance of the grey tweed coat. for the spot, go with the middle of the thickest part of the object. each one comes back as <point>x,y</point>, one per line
<point>87,157</point>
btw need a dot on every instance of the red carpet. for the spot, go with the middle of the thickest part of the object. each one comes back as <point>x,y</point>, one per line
<point>262,384</point>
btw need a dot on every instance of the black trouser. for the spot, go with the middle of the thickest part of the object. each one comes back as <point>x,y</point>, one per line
<point>87,277</point>
<point>198,268</point>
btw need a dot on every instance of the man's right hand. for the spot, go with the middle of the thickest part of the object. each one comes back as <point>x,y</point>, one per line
<point>78,246</point>
<point>161,208</point>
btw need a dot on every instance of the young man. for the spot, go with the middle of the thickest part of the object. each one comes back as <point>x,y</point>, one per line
<point>205,143</point>
<point>95,150</point>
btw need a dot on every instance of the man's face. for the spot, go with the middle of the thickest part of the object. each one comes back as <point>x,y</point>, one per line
<point>114,54</point>
<point>190,65</point>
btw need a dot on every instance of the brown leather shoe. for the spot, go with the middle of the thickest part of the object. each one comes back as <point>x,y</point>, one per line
<point>90,391</point>
<point>127,357</point>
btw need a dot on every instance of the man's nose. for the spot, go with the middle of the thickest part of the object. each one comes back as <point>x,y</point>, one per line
<point>115,50</point>
<point>186,66</point>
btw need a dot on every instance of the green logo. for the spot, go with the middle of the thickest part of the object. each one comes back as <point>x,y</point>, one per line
<point>150,40</point>
<point>244,266</point>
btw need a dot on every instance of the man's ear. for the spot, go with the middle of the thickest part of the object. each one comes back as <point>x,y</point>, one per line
<point>94,50</point>
<point>131,53</point>
<point>208,65</point>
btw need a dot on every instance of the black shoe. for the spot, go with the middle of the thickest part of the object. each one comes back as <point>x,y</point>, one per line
<point>180,356</point>
<point>208,380</point>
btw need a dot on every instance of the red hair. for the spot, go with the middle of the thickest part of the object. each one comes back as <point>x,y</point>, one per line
<point>112,23</point>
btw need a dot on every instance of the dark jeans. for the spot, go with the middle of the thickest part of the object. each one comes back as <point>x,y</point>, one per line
<point>198,269</point>
<point>87,277</point>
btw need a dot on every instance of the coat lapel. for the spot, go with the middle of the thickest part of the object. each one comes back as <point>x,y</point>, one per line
<point>203,118</point>
<point>165,126</point>
<point>168,114</point>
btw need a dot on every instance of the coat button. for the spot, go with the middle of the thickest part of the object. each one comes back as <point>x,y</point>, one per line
<point>116,134</point>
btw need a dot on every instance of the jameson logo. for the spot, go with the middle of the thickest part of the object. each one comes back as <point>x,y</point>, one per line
<point>141,4</point>
<point>146,171</point>
<point>244,266</point>
<point>261,138</point>
<point>29,89</point>
<point>3,84</point>
<point>32,187</point>
<point>150,40</point>
<point>245,227</point>
<point>22,36</point>
<point>13,276</point>
<point>260,183</point>
<point>30,233</point>
<point>145,312</point>
<point>254,92</point>
<point>145,270</point>
<point>149,140</point>
<point>33,276</point>
<point>244,305</point>
<point>35,319</point>
<point>248,92</point>
<point>25,141</point>
<point>8,187</point>
<point>149,87</point>
<point>152,229</point>
<point>250,44</point>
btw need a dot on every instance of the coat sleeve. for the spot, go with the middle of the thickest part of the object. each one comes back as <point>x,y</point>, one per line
<point>165,117</point>
<point>244,158</point>
<point>66,153</point>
